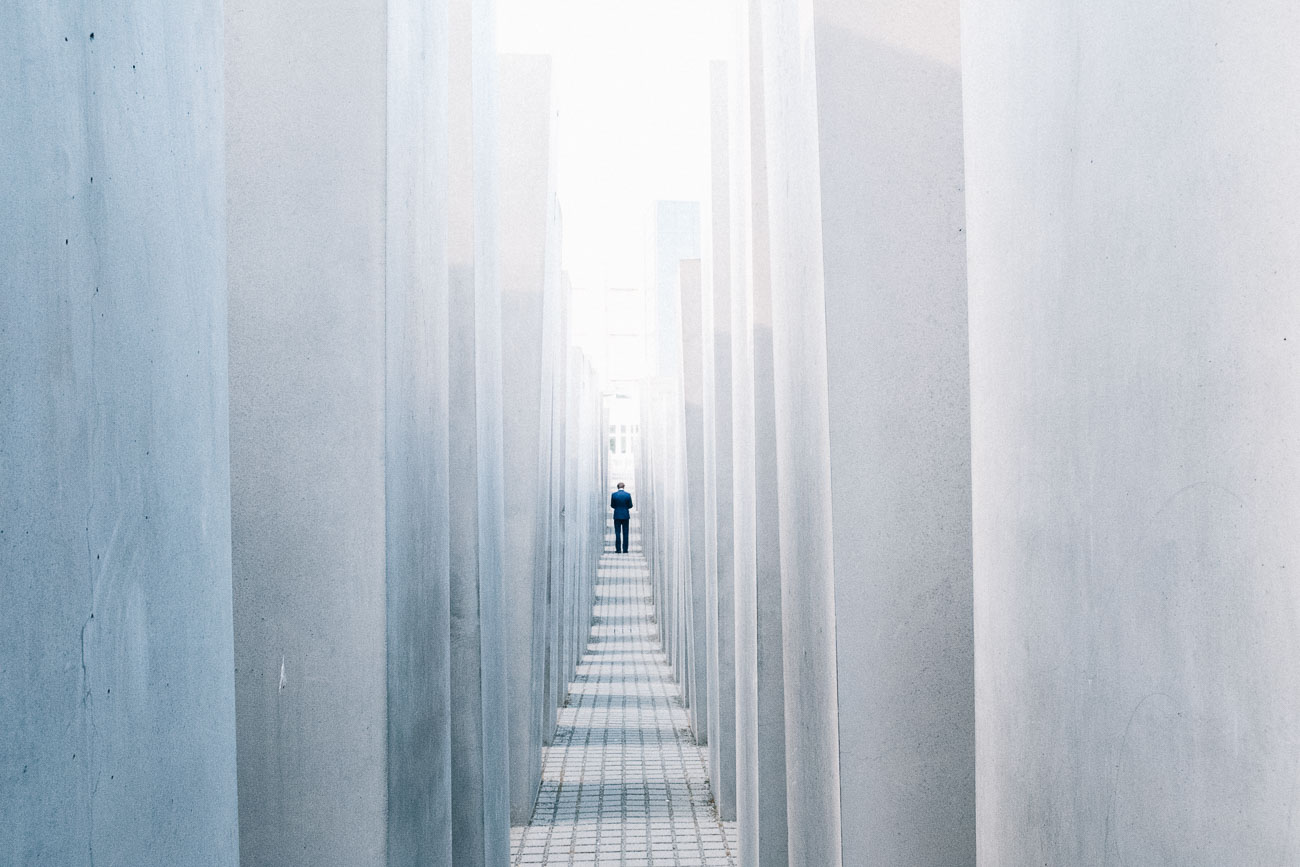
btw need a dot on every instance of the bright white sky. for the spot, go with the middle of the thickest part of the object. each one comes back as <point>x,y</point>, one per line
<point>632,89</point>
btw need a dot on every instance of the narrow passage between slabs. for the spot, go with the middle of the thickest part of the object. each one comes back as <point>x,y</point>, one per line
<point>624,782</point>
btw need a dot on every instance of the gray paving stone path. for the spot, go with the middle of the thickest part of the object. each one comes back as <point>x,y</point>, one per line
<point>624,783</point>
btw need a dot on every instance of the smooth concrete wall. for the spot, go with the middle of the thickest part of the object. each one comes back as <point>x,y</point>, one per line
<point>663,512</point>
<point>802,450</point>
<point>719,552</point>
<point>116,688</point>
<point>337,421</point>
<point>528,257</point>
<point>557,679</point>
<point>696,578</point>
<point>1133,196</point>
<point>479,722</point>
<point>893,247</point>
<point>416,439</point>
<point>760,688</point>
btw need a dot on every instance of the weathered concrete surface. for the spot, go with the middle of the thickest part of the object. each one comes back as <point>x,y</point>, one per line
<point>117,744</point>
<point>890,155</point>
<point>416,440</point>
<point>720,553</point>
<point>802,447</point>
<point>554,390</point>
<point>1133,198</point>
<point>307,206</point>
<point>480,744</point>
<point>697,575</point>
<point>529,261</point>
<point>662,508</point>
<point>760,701</point>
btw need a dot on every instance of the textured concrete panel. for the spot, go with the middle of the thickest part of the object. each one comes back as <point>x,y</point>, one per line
<point>760,689</point>
<point>802,447</point>
<point>890,153</point>
<point>720,553</point>
<point>117,744</point>
<point>416,424</point>
<point>697,575</point>
<point>529,261</point>
<point>557,673</point>
<point>308,257</point>
<point>480,746</point>
<point>1133,198</point>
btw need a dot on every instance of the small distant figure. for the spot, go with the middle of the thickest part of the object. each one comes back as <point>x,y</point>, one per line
<point>621,502</point>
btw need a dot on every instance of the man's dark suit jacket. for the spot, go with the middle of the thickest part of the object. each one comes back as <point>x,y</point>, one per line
<point>621,502</point>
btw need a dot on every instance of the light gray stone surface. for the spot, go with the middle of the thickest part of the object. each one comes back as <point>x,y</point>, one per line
<point>117,740</point>
<point>480,744</point>
<point>720,553</point>
<point>760,701</point>
<point>1133,199</point>
<point>339,432</point>
<point>416,435</point>
<point>697,576</point>
<point>898,377</point>
<point>529,260</point>
<point>555,389</point>
<point>308,271</point>
<point>802,442</point>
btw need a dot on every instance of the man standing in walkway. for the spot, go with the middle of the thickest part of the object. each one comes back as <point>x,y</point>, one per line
<point>621,502</point>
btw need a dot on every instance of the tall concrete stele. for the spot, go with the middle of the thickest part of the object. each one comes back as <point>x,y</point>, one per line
<point>529,226</point>
<point>117,694</point>
<point>869,294</point>
<point>339,426</point>
<point>1133,198</point>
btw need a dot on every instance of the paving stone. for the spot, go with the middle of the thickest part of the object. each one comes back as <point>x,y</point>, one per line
<point>624,783</point>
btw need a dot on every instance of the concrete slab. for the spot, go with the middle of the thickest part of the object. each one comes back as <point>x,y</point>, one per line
<point>720,552</point>
<point>1133,318</point>
<point>698,576</point>
<point>760,702</point>
<point>893,254</point>
<point>480,742</point>
<point>308,268</point>
<point>417,556</point>
<point>118,740</point>
<point>529,259</point>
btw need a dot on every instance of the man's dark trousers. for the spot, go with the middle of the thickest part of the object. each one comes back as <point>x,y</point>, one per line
<point>620,535</point>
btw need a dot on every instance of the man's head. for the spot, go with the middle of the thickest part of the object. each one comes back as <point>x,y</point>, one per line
<point>620,486</point>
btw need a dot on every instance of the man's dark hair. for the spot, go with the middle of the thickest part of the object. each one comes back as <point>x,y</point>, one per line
<point>620,484</point>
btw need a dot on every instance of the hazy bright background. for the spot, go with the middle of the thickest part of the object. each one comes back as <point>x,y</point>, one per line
<point>632,88</point>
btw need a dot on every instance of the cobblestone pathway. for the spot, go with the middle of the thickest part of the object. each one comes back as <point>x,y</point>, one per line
<point>624,782</point>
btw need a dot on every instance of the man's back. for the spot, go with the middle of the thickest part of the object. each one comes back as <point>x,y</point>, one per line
<point>621,502</point>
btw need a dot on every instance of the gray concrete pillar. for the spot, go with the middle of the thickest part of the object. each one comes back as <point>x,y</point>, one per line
<point>118,738</point>
<point>802,440</point>
<point>720,555</point>
<point>760,701</point>
<point>338,306</point>
<point>529,260</point>
<point>1133,198</point>
<point>306,251</point>
<point>557,672</point>
<point>871,227</point>
<point>697,575</point>
<point>417,551</point>
<point>479,726</point>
